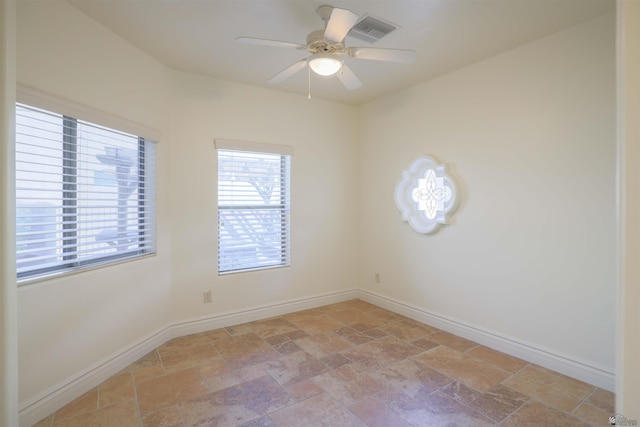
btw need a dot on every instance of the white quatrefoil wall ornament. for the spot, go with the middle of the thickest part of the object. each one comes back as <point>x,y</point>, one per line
<point>426,195</point>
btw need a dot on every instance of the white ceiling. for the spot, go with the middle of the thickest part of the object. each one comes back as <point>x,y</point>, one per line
<point>198,36</point>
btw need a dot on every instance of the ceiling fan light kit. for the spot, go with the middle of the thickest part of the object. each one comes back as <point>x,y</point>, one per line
<point>327,49</point>
<point>325,64</point>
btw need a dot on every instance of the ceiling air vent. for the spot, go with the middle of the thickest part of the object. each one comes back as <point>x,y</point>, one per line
<point>371,29</point>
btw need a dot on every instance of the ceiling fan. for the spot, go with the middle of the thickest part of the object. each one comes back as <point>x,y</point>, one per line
<point>327,49</point>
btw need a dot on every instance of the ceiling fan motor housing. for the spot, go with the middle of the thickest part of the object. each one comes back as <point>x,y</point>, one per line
<point>317,44</point>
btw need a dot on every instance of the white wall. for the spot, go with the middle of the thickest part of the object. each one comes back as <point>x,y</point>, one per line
<point>323,182</point>
<point>79,321</point>
<point>530,136</point>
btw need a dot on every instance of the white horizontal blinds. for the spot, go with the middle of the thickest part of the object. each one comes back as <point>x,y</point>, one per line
<point>84,193</point>
<point>253,210</point>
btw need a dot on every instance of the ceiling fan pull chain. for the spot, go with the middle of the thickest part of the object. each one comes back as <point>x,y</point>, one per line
<point>309,84</point>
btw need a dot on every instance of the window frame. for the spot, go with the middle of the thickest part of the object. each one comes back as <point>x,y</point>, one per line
<point>285,153</point>
<point>71,114</point>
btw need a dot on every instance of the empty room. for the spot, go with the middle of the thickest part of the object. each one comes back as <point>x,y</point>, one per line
<point>205,224</point>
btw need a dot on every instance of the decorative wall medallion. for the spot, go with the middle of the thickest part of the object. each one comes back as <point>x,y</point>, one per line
<point>426,195</point>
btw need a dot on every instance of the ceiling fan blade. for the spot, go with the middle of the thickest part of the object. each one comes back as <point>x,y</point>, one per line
<point>267,42</point>
<point>288,72</point>
<point>348,79</point>
<point>378,54</point>
<point>340,22</point>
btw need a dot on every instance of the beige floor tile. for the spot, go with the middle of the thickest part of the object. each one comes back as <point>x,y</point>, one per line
<point>276,340</point>
<point>473,372</point>
<point>188,357</point>
<point>214,367</point>
<point>88,402</point>
<point>167,417</point>
<point>318,411</point>
<point>413,377</point>
<point>236,405</point>
<point>260,422</point>
<point>287,347</point>
<point>217,382</point>
<point>335,361</point>
<point>536,414</point>
<point>145,374</point>
<point>303,390</point>
<point>442,410</point>
<point>409,330</point>
<point>116,389</point>
<point>347,315</point>
<point>199,339</point>
<point>284,343</point>
<point>296,335</point>
<point>359,320</point>
<point>169,390</point>
<point>151,359</point>
<point>592,415</point>
<point>376,333</point>
<point>316,325</point>
<point>361,305</point>
<point>377,354</point>
<point>216,334</point>
<point>501,360</point>
<point>457,343</point>
<point>461,392</point>
<point>358,339</point>
<point>556,391</point>
<point>295,367</point>
<point>244,350</point>
<point>499,402</point>
<point>602,399</point>
<point>123,414</point>
<point>271,327</point>
<point>385,315</point>
<point>45,422</point>
<point>346,331</point>
<point>366,325</point>
<point>348,384</point>
<point>545,370</point>
<point>324,344</point>
<point>394,398</point>
<point>375,413</point>
<point>238,330</point>
<point>424,344</point>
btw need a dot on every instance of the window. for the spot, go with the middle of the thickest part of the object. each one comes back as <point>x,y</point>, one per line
<point>84,193</point>
<point>426,195</point>
<point>253,206</point>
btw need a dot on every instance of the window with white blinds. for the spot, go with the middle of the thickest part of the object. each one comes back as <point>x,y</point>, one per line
<point>84,193</point>
<point>253,209</point>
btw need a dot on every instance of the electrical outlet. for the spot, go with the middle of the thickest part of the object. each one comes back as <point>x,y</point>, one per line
<point>376,277</point>
<point>206,297</point>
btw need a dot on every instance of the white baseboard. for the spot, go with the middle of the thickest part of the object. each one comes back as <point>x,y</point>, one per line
<point>66,391</point>
<point>55,397</point>
<point>598,376</point>
<point>222,320</point>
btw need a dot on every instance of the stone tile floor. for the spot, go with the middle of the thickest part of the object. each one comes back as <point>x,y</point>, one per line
<point>346,364</point>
